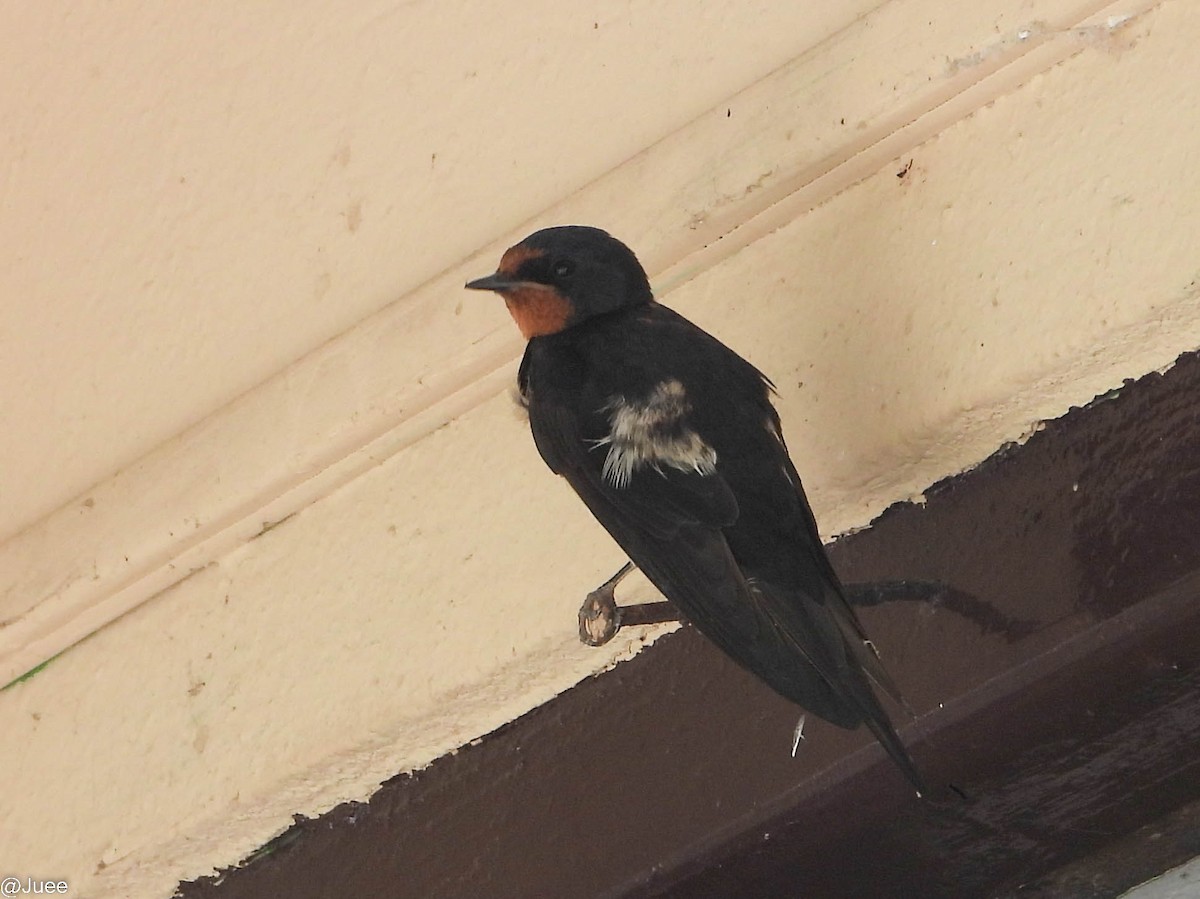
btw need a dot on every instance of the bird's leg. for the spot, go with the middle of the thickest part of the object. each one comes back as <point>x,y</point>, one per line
<point>600,617</point>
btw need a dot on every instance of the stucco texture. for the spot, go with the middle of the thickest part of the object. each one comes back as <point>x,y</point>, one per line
<point>1032,256</point>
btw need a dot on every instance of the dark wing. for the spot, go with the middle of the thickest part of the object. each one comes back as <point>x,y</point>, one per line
<point>670,524</point>
<point>832,593</point>
<point>778,547</point>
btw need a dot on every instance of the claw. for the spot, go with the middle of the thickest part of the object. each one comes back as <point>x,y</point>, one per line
<point>599,616</point>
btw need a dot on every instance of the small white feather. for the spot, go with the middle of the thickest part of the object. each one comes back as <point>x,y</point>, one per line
<point>653,432</point>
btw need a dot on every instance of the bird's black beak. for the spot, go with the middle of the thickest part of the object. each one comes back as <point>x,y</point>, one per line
<point>497,282</point>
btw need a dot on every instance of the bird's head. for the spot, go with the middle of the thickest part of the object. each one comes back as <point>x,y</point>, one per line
<point>559,277</point>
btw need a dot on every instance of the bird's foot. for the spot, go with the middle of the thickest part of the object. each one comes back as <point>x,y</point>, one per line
<point>600,617</point>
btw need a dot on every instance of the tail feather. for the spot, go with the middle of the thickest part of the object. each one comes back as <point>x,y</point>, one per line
<point>890,741</point>
<point>863,652</point>
<point>828,639</point>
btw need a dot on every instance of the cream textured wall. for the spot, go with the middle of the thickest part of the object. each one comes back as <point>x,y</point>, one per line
<point>195,197</point>
<point>1035,254</point>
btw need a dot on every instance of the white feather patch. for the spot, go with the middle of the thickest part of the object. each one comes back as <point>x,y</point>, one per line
<point>653,432</point>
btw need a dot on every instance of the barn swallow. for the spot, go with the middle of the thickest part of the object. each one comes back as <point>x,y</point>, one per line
<point>671,440</point>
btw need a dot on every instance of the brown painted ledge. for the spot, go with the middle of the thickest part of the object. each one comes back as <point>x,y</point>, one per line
<point>1056,677</point>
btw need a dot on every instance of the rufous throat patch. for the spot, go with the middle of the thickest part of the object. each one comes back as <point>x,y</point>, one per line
<point>537,309</point>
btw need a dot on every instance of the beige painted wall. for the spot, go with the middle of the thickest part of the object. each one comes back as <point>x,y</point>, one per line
<point>195,197</point>
<point>1036,253</point>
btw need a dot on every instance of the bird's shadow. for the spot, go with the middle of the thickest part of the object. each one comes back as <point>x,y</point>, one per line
<point>989,619</point>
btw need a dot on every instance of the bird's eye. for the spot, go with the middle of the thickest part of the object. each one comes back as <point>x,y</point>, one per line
<point>563,268</point>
